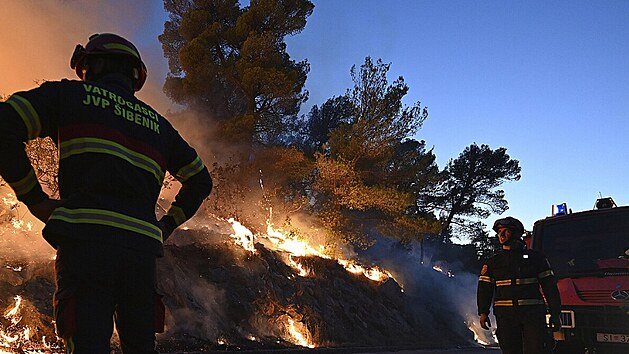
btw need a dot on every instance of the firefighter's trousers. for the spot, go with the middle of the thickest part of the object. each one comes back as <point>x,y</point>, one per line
<point>98,282</point>
<point>523,331</point>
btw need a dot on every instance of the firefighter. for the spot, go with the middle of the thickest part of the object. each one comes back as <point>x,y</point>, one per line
<point>513,278</point>
<point>114,150</point>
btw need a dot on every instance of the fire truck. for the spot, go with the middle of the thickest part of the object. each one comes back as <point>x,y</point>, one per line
<point>589,254</point>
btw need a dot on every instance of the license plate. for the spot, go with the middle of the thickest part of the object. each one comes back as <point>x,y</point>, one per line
<point>612,338</point>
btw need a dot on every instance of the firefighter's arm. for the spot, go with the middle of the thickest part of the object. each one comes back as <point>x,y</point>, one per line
<point>192,193</point>
<point>196,185</point>
<point>484,295</point>
<point>19,122</point>
<point>548,281</point>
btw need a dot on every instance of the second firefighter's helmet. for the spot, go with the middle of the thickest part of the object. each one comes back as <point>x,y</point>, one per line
<point>517,229</point>
<point>109,44</point>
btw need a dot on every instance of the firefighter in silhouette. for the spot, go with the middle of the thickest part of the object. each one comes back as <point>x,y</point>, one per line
<point>512,278</point>
<point>113,153</point>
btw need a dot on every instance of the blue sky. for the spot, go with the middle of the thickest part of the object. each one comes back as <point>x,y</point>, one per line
<point>549,81</point>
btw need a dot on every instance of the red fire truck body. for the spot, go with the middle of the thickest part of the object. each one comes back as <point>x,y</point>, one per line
<point>589,254</point>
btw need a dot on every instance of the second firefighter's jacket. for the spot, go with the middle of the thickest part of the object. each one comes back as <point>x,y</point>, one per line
<point>114,151</point>
<point>512,278</point>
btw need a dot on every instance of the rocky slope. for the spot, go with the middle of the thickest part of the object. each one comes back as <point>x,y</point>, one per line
<point>220,296</point>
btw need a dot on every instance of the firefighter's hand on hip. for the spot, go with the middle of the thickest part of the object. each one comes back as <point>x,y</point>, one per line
<point>485,323</point>
<point>44,209</point>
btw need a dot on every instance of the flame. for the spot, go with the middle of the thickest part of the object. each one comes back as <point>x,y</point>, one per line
<point>19,336</point>
<point>13,314</point>
<point>242,236</point>
<point>373,273</point>
<point>297,266</point>
<point>440,269</point>
<point>296,247</point>
<point>481,336</point>
<point>298,337</point>
<point>290,243</point>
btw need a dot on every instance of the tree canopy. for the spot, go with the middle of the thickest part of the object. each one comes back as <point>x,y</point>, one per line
<point>367,173</point>
<point>468,188</point>
<point>231,63</point>
<point>379,118</point>
<point>352,163</point>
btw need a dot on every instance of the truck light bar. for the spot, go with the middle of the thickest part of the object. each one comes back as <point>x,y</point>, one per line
<point>562,209</point>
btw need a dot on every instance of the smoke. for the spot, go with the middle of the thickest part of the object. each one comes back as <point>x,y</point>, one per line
<point>20,234</point>
<point>444,295</point>
<point>39,36</point>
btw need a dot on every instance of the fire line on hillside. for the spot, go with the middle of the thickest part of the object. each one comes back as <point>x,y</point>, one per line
<point>227,287</point>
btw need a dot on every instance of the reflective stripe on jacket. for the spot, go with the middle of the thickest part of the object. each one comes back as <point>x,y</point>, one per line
<point>512,279</point>
<point>114,151</point>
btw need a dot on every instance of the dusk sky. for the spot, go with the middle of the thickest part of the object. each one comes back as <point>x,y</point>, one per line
<point>549,81</point>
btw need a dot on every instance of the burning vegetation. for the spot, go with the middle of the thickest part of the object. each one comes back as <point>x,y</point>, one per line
<point>272,289</point>
<point>226,286</point>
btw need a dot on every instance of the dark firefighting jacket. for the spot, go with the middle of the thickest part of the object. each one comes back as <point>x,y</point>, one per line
<point>114,151</point>
<point>512,278</point>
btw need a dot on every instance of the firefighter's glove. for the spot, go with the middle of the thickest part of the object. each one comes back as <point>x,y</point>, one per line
<point>485,323</point>
<point>555,322</point>
<point>44,209</point>
<point>167,225</point>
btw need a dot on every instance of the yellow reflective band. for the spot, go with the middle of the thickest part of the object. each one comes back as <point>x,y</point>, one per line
<point>177,214</point>
<point>28,114</point>
<point>122,47</point>
<point>521,302</point>
<point>544,274</point>
<point>522,281</point>
<point>189,170</point>
<point>485,278</point>
<point>530,302</point>
<point>26,184</point>
<point>107,218</point>
<point>94,145</point>
<point>525,281</point>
